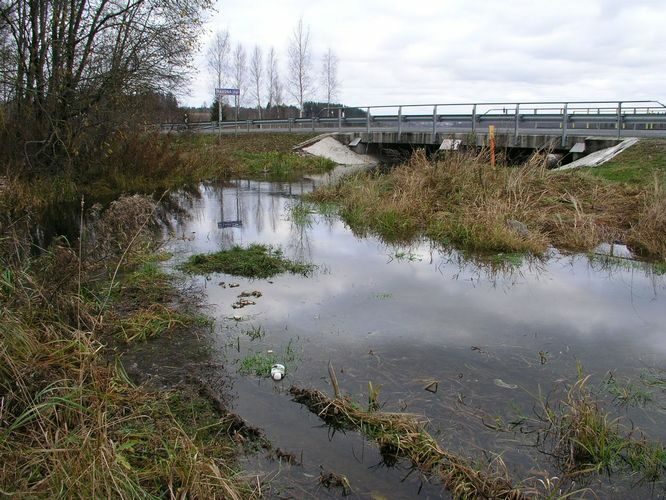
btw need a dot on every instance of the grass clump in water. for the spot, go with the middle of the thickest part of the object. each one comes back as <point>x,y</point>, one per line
<point>255,261</point>
<point>462,200</point>
<point>258,364</point>
<point>584,439</point>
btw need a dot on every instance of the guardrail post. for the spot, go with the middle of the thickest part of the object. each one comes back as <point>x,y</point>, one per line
<point>247,124</point>
<point>313,123</point>
<point>565,122</point>
<point>515,124</point>
<point>290,122</point>
<point>619,119</point>
<point>399,122</point>
<point>367,120</point>
<point>474,119</point>
<point>339,118</point>
<point>434,124</point>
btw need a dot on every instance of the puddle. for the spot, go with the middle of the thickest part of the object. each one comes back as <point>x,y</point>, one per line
<point>404,318</point>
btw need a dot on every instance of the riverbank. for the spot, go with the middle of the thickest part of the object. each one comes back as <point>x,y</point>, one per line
<point>154,163</point>
<point>71,420</point>
<point>461,200</point>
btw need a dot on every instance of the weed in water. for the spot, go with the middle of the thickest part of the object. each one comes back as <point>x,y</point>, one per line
<point>258,364</point>
<point>626,393</point>
<point>653,378</point>
<point>255,333</point>
<point>407,256</point>
<point>255,261</point>
<point>585,439</point>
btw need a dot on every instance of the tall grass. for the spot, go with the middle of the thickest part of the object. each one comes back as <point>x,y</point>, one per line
<point>462,200</point>
<point>71,423</point>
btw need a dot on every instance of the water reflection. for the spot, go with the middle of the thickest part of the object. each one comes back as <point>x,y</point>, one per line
<point>401,316</point>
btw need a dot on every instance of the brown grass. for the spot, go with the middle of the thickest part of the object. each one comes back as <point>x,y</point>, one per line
<point>462,200</point>
<point>71,424</point>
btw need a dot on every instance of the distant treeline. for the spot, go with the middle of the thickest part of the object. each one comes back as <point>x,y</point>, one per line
<point>310,109</point>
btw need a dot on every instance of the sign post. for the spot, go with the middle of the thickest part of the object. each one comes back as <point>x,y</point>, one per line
<point>219,94</point>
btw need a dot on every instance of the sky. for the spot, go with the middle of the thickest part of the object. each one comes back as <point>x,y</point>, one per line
<point>442,51</point>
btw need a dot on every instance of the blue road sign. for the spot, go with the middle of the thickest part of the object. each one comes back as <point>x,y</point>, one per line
<point>220,92</point>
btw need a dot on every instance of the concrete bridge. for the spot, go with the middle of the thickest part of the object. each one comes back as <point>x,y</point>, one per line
<point>561,126</point>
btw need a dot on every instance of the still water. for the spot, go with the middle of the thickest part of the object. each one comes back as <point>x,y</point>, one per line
<point>404,317</point>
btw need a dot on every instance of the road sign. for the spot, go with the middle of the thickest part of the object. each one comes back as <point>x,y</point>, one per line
<point>222,92</point>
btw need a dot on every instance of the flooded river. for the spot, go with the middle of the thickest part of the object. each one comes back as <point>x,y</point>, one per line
<point>494,339</point>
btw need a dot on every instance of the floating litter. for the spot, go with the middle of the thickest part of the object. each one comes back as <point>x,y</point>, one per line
<point>277,372</point>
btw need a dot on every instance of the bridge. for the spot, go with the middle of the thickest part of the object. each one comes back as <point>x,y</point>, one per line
<point>560,125</point>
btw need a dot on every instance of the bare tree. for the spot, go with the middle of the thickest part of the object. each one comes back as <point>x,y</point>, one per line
<point>300,64</point>
<point>77,61</point>
<point>217,56</point>
<point>273,85</point>
<point>7,64</point>
<point>239,70</point>
<point>256,75</point>
<point>329,76</point>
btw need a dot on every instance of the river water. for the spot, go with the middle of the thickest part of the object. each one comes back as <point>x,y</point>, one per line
<point>495,339</point>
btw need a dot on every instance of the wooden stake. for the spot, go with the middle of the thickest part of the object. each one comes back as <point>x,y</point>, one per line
<point>334,380</point>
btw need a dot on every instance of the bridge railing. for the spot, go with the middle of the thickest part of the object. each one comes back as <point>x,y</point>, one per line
<point>463,117</point>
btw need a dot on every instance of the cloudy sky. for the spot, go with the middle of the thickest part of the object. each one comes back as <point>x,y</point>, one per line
<point>426,51</point>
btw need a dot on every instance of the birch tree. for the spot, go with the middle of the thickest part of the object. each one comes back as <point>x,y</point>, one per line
<point>300,65</point>
<point>217,56</point>
<point>239,69</point>
<point>271,74</point>
<point>7,64</point>
<point>329,77</point>
<point>256,76</point>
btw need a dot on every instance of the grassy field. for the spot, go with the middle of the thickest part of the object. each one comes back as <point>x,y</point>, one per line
<point>639,165</point>
<point>461,200</point>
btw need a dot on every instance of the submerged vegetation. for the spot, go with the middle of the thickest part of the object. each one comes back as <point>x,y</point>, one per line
<point>71,423</point>
<point>404,435</point>
<point>462,200</point>
<point>255,261</point>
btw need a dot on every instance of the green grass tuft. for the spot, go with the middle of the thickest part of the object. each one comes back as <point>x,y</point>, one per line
<point>255,261</point>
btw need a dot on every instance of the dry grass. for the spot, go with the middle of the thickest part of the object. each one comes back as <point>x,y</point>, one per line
<point>462,200</point>
<point>651,221</point>
<point>70,423</point>
<point>401,434</point>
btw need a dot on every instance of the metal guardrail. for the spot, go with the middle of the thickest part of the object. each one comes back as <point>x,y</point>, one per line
<point>610,117</point>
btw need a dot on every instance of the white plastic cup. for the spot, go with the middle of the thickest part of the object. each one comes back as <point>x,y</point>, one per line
<point>277,372</point>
